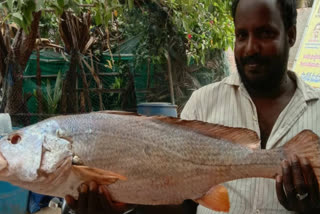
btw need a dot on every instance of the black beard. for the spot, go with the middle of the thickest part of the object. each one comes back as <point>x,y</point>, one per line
<point>277,68</point>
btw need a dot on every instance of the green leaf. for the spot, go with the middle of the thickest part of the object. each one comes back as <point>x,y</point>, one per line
<point>49,99</point>
<point>60,3</point>
<point>19,3</point>
<point>10,4</point>
<point>73,6</point>
<point>19,22</point>
<point>97,17</point>
<point>130,4</point>
<point>57,88</point>
<point>17,16</point>
<point>40,5</point>
<point>56,8</point>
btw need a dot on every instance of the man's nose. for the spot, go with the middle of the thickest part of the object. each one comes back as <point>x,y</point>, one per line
<point>252,46</point>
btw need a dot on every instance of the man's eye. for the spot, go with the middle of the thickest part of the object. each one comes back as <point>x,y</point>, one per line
<point>240,36</point>
<point>267,34</point>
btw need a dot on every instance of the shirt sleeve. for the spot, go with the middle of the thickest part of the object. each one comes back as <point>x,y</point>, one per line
<point>189,111</point>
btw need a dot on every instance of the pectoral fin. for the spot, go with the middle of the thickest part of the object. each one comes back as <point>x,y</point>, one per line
<point>216,199</point>
<point>100,176</point>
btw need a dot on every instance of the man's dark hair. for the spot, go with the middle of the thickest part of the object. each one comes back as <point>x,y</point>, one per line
<point>288,10</point>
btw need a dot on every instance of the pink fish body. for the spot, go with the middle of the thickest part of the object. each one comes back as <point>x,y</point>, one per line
<point>143,160</point>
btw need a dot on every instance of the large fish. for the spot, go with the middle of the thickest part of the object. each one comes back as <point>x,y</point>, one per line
<point>143,160</point>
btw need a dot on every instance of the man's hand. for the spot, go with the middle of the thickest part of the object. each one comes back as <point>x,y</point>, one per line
<point>94,199</point>
<point>297,188</point>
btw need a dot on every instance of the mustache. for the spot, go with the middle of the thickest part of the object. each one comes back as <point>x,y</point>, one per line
<point>255,59</point>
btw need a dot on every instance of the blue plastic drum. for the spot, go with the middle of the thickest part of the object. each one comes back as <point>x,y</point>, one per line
<point>149,109</point>
<point>13,200</point>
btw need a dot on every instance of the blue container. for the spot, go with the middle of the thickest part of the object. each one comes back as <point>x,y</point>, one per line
<point>150,109</point>
<point>13,200</point>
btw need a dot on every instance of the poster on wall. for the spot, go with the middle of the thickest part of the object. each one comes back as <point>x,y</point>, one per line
<point>307,63</point>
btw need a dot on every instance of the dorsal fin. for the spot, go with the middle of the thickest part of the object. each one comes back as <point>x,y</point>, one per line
<point>119,113</point>
<point>241,136</point>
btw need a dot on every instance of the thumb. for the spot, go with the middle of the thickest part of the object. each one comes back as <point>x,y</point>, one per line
<point>118,207</point>
<point>72,203</point>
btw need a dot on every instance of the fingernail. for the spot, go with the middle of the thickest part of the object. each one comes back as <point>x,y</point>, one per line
<point>278,179</point>
<point>305,161</point>
<point>92,186</point>
<point>84,188</point>
<point>294,158</point>
<point>285,164</point>
<point>67,198</point>
<point>100,190</point>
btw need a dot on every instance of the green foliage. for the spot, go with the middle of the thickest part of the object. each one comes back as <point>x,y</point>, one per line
<point>20,11</point>
<point>63,5</point>
<point>53,97</point>
<point>120,81</point>
<point>118,84</point>
<point>103,10</point>
<point>204,24</point>
<point>207,25</point>
<point>49,26</point>
<point>130,4</point>
<point>134,23</point>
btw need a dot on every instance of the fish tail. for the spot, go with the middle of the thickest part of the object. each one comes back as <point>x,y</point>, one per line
<point>305,145</point>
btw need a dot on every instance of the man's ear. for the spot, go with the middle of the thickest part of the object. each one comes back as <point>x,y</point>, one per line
<point>292,35</point>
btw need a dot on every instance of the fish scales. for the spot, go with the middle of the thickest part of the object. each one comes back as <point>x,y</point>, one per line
<point>143,160</point>
<point>137,151</point>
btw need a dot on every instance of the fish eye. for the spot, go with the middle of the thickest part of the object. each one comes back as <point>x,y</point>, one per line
<point>15,139</point>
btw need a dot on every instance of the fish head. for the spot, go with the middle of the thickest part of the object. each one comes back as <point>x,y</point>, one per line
<point>34,154</point>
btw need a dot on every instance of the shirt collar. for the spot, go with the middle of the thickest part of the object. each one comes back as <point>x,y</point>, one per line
<point>309,93</point>
<point>233,79</point>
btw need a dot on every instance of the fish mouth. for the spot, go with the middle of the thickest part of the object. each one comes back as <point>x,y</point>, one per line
<point>3,162</point>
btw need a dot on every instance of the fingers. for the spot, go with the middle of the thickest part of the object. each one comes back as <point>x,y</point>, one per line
<point>311,180</point>
<point>280,192</point>
<point>72,203</point>
<point>299,181</point>
<point>106,197</point>
<point>82,207</point>
<point>103,190</point>
<point>93,198</point>
<point>288,183</point>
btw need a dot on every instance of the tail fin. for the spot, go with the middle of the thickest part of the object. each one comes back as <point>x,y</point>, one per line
<point>305,144</point>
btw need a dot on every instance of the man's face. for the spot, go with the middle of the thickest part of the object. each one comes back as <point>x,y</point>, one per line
<point>262,44</point>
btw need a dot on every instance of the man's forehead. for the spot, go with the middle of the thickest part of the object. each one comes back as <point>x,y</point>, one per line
<point>258,11</point>
<point>251,2</point>
<point>263,5</point>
